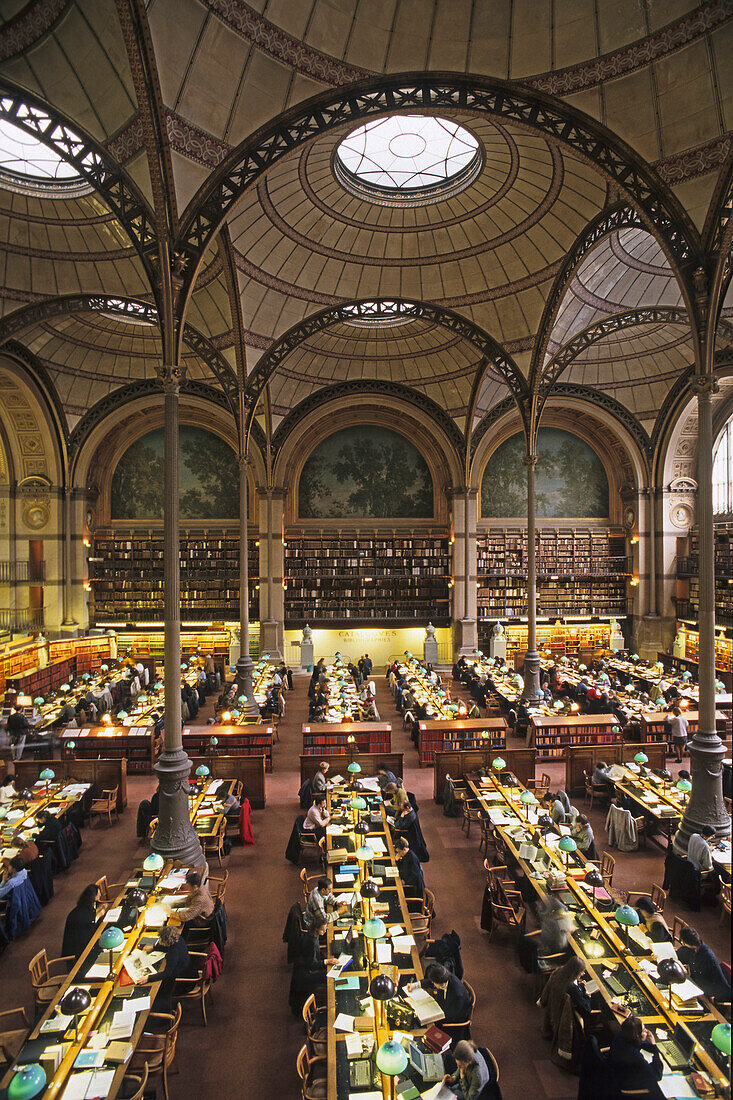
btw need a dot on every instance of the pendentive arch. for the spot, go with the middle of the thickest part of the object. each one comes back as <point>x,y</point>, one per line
<point>30,419</point>
<point>661,211</point>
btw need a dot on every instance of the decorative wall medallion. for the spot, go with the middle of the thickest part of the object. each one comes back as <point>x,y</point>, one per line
<point>629,518</point>
<point>36,514</point>
<point>681,514</point>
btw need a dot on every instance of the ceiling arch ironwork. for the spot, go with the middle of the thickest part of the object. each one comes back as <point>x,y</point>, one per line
<point>661,211</point>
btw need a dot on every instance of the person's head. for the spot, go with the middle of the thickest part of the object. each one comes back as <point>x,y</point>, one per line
<point>193,881</point>
<point>168,935</point>
<point>437,975</point>
<point>323,766</point>
<point>43,816</point>
<point>690,938</point>
<point>319,924</point>
<point>602,764</point>
<point>464,1053</point>
<point>18,709</point>
<point>646,909</point>
<point>581,819</point>
<point>319,800</point>
<point>390,789</point>
<point>572,970</point>
<point>632,1030</point>
<point>684,774</point>
<point>89,896</point>
<point>676,711</point>
<point>17,864</point>
<point>323,885</point>
<point>707,832</point>
<point>401,847</point>
<point>8,781</point>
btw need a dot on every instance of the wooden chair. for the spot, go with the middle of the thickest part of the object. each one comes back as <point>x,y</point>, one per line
<point>109,890</point>
<point>494,1063</point>
<point>47,975</point>
<point>316,1025</point>
<point>214,845</point>
<point>607,866</point>
<point>14,1028</point>
<point>195,989</point>
<point>421,923</point>
<point>641,830</point>
<point>106,805</point>
<point>677,925</point>
<point>656,895</point>
<point>157,1050</point>
<point>507,914</point>
<point>725,900</point>
<point>471,812</point>
<point>136,1083</point>
<point>274,722</point>
<point>218,885</point>
<point>312,1086</point>
<point>488,835</point>
<point>309,844</point>
<point>308,882</point>
<point>464,1027</point>
<point>428,903</point>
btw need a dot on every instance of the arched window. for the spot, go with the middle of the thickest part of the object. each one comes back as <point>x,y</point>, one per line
<point>723,473</point>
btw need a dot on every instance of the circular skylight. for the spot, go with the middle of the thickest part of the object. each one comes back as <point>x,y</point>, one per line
<point>28,164</point>
<point>408,159</point>
<point>380,314</point>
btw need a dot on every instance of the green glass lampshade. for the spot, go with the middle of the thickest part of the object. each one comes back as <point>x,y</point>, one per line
<point>686,675</point>
<point>358,804</point>
<point>111,937</point>
<point>684,786</point>
<point>235,713</point>
<point>391,1058</point>
<point>498,764</point>
<point>720,1038</point>
<point>375,928</point>
<point>582,668</point>
<point>38,701</point>
<point>242,699</point>
<point>364,853</point>
<point>71,744</point>
<point>354,768</point>
<point>142,699</point>
<point>214,742</point>
<point>634,656</point>
<point>629,687</point>
<point>659,702</point>
<point>719,687</point>
<point>641,758</point>
<point>567,844</point>
<point>121,714</point>
<point>202,771</point>
<point>558,705</point>
<point>86,676</point>
<point>158,686</point>
<point>104,668</point>
<point>47,775</point>
<point>153,862</point>
<point>527,798</point>
<point>627,916</point>
<point>29,1081</point>
<point>65,687</point>
<point>616,730</point>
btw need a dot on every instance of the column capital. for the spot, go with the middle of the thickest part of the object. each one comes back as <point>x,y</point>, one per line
<point>705,384</point>
<point>170,375</point>
<point>530,460</point>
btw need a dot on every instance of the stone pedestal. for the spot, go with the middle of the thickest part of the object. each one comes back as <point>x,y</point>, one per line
<point>235,647</point>
<point>271,639</point>
<point>497,643</point>
<point>465,637</point>
<point>617,642</point>
<point>430,646</point>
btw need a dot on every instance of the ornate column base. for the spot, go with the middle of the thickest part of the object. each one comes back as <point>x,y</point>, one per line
<point>271,639</point>
<point>245,664</point>
<point>465,636</point>
<point>531,674</point>
<point>69,629</point>
<point>705,805</point>
<point>175,836</point>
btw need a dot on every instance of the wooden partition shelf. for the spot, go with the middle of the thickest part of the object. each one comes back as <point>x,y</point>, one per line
<point>105,774</point>
<point>350,577</point>
<point>249,770</point>
<point>654,725</point>
<point>321,737</point>
<point>466,733</point>
<point>250,740</point>
<point>551,736</point>
<point>461,762</point>
<point>580,758</point>
<point>369,761</point>
<point>135,744</point>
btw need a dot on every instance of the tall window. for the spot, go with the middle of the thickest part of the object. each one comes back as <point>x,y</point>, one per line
<point>723,473</point>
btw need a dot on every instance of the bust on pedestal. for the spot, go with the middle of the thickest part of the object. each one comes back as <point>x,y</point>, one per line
<point>678,649</point>
<point>430,646</point>
<point>497,642</point>
<point>617,639</point>
<point>306,649</point>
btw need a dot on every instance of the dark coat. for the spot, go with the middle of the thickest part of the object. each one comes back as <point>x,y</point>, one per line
<point>408,825</point>
<point>178,964</point>
<point>455,1002</point>
<point>78,930</point>
<point>411,875</point>
<point>629,1069</point>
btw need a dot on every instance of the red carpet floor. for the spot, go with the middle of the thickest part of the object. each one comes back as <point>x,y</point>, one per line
<point>250,1046</point>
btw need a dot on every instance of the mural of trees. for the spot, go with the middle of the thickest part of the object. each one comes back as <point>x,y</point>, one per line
<point>367,472</point>
<point>207,472</point>
<point>570,480</point>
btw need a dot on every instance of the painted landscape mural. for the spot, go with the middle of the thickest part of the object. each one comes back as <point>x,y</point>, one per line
<point>207,473</point>
<point>366,471</point>
<point>570,479</point>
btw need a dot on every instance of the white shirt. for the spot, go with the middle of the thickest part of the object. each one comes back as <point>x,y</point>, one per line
<point>698,853</point>
<point>678,726</point>
<point>317,817</point>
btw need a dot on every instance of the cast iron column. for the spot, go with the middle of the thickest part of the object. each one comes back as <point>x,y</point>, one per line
<point>531,658</point>
<point>245,663</point>
<point>175,836</point>
<point>69,619</point>
<point>705,805</point>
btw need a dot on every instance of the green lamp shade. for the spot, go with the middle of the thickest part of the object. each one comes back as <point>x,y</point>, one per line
<point>629,687</point>
<point>38,701</point>
<point>111,937</point>
<point>214,741</point>
<point>498,764</point>
<point>391,1058</point>
<point>71,744</point>
<point>65,687</point>
<point>641,758</point>
<point>122,714</point>
<point>158,686</point>
<point>29,1081</point>
<point>567,844</point>
<point>202,771</point>
<point>375,929</point>
<point>364,853</point>
<point>720,1038</point>
<point>104,668</point>
<point>47,774</point>
<point>354,768</point>
<point>684,786</point>
<point>153,862</point>
<point>719,687</point>
<point>615,729</point>
<point>660,702</point>
<point>235,713</point>
<point>558,705</point>
<point>527,798</point>
<point>358,804</point>
<point>627,916</point>
<point>86,675</point>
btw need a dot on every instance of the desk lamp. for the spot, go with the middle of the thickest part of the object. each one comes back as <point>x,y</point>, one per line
<point>76,1002</point>
<point>627,918</point>
<point>381,989</point>
<point>38,701</point>
<point>684,787</point>
<point>641,759</point>
<point>615,730</point>
<point>720,1038</point>
<point>527,798</point>
<point>671,972</point>
<point>136,897</point>
<point>567,845</point>
<point>70,746</point>
<point>111,937</point>
<point>665,776</point>
<point>374,929</point>
<point>351,742</point>
<point>362,829</point>
<point>153,862</point>
<point>545,822</point>
<point>353,769</point>
<point>202,772</point>
<point>391,1061</point>
<point>357,804</point>
<point>369,891</point>
<point>498,764</point>
<point>364,856</point>
<point>594,878</point>
<point>47,775</point>
<point>29,1081</point>
<point>213,742</point>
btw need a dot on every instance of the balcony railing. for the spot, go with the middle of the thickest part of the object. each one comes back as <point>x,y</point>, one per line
<point>22,572</point>
<point>16,619</point>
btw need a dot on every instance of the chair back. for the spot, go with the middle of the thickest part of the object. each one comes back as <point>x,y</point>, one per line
<point>310,1014</point>
<point>429,903</point>
<point>137,1083</point>
<point>301,1064</point>
<point>659,897</point>
<point>607,865</point>
<point>38,968</point>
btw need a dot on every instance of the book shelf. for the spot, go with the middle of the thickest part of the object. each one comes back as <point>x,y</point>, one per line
<point>41,681</point>
<point>126,574</point>
<point>551,736</point>
<point>136,744</point>
<point>151,643</point>
<point>654,727</point>
<point>688,568</point>
<point>68,658</point>
<point>566,640</point>
<point>351,577</point>
<point>250,740</point>
<point>321,739</point>
<point>579,572</point>
<point>452,736</point>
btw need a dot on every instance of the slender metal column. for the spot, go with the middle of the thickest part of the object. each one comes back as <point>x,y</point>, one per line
<point>466,555</point>
<point>652,553</point>
<point>270,615</point>
<point>245,663</point>
<point>531,657</point>
<point>175,837</point>
<point>705,805</point>
<point>69,619</point>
